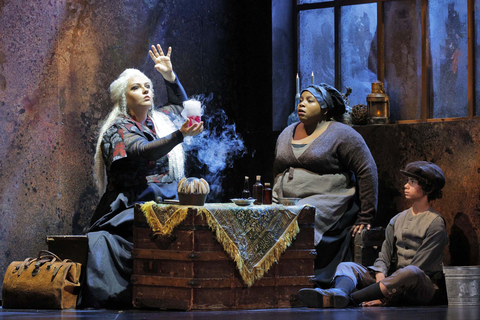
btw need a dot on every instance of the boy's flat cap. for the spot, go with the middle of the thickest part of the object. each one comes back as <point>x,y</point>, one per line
<point>426,171</point>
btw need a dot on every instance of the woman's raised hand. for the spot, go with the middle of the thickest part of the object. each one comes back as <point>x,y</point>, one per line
<point>163,64</point>
<point>191,130</point>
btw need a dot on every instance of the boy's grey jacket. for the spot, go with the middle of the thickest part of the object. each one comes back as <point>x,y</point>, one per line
<point>417,240</point>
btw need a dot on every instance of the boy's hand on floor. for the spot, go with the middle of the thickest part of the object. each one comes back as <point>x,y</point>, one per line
<point>373,303</point>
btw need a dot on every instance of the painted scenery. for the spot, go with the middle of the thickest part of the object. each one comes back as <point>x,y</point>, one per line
<point>316,50</point>
<point>448,49</point>
<point>358,49</point>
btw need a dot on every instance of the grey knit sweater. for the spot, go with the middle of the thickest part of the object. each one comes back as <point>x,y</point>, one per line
<point>337,150</point>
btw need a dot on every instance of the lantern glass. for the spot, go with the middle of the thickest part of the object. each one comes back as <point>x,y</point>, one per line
<point>378,109</point>
<point>378,104</point>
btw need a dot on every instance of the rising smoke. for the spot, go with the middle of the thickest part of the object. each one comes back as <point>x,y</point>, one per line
<point>216,147</point>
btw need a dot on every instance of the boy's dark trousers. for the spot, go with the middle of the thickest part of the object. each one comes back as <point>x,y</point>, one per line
<point>409,283</point>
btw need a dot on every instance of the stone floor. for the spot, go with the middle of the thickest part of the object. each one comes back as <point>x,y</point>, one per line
<point>390,313</point>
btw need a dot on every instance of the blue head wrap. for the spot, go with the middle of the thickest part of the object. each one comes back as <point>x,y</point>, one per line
<point>329,97</point>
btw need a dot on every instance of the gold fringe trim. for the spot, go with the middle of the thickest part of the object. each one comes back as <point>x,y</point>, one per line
<point>264,265</point>
<point>272,256</point>
<point>174,220</point>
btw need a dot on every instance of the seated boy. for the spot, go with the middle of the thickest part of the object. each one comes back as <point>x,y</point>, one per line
<point>414,238</point>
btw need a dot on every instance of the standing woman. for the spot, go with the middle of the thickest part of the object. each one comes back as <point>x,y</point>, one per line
<point>138,158</point>
<point>322,161</point>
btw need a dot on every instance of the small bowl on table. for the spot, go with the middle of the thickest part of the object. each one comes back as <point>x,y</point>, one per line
<point>243,202</point>
<point>289,201</point>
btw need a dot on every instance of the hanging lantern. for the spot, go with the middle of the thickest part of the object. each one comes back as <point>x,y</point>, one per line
<point>378,104</point>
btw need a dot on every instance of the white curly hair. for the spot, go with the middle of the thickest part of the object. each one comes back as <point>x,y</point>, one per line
<point>163,127</point>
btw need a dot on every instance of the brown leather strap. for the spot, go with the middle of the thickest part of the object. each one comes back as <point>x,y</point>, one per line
<point>48,254</point>
<point>51,263</point>
<point>44,256</point>
<point>64,263</point>
<point>25,264</point>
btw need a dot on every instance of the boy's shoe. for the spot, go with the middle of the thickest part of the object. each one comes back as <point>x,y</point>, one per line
<point>323,298</point>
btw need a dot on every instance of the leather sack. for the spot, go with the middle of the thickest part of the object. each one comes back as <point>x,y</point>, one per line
<point>45,282</point>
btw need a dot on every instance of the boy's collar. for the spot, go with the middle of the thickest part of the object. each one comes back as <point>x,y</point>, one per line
<point>419,208</point>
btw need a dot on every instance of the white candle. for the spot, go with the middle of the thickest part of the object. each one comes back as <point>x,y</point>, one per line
<point>298,84</point>
<point>312,78</point>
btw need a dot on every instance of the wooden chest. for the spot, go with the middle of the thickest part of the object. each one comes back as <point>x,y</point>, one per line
<point>70,247</point>
<point>190,270</point>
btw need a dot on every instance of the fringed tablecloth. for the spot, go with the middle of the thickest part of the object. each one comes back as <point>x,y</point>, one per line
<point>254,236</point>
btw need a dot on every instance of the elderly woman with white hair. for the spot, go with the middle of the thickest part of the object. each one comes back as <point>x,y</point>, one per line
<point>139,158</point>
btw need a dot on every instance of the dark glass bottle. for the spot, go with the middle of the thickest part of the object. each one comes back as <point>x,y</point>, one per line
<point>257,191</point>
<point>267,194</point>
<point>246,189</point>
